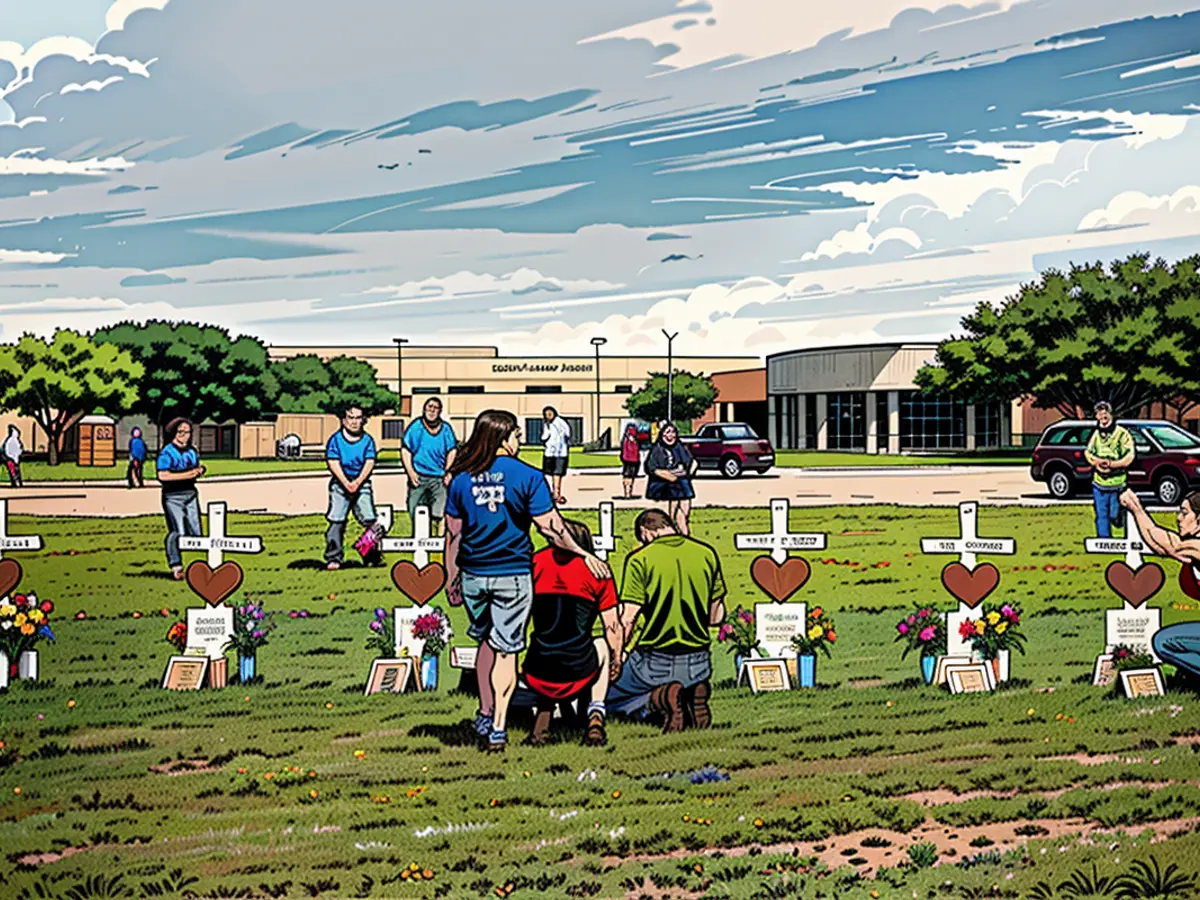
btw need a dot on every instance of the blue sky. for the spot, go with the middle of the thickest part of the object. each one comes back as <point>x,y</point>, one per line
<point>755,175</point>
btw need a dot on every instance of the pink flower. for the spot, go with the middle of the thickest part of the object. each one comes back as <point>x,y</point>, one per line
<point>746,616</point>
<point>927,633</point>
<point>725,633</point>
<point>902,628</point>
<point>912,620</point>
<point>923,613</point>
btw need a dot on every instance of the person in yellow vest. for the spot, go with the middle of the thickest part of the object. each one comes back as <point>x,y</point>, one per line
<point>1110,453</point>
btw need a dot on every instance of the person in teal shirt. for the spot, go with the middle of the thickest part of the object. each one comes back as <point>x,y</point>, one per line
<point>350,456</point>
<point>1109,452</point>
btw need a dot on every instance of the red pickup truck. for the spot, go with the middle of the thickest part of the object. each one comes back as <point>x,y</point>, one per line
<point>731,448</point>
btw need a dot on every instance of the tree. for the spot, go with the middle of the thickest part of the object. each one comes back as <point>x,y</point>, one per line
<point>692,397</point>
<point>306,384</point>
<point>57,382</point>
<point>197,371</point>
<point>1130,336</point>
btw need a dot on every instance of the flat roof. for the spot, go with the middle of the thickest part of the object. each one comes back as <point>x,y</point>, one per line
<point>849,348</point>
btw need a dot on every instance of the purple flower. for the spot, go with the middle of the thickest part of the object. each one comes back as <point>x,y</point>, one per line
<point>380,613</point>
<point>258,635</point>
<point>304,613</point>
<point>377,625</point>
<point>258,614</point>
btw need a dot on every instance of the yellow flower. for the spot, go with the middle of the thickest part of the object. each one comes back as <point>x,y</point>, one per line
<point>815,632</point>
<point>1001,628</point>
<point>7,609</point>
<point>20,619</point>
<point>980,627</point>
<point>993,617</point>
<point>35,616</point>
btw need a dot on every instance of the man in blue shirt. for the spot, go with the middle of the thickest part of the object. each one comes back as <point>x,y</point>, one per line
<point>178,468</point>
<point>137,459</point>
<point>350,455</point>
<point>428,452</point>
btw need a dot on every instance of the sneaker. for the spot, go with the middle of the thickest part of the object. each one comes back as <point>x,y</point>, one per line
<point>497,741</point>
<point>483,724</point>
<point>333,566</point>
<point>595,736</point>
<point>695,708</point>
<point>177,573</point>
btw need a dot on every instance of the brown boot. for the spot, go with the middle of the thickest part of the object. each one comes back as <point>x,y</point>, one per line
<point>667,701</point>
<point>696,711</point>
<point>541,728</point>
<point>595,736</point>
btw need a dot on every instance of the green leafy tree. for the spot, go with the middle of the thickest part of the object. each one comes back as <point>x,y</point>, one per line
<point>692,397</point>
<point>307,384</point>
<point>56,382</point>
<point>197,371</point>
<point>1128,335</point>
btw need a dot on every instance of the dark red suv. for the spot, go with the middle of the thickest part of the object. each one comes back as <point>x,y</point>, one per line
<point>730,448</point>
<point>1167,463</point>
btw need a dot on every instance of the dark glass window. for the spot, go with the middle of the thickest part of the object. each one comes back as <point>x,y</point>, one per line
<point>932,422</point>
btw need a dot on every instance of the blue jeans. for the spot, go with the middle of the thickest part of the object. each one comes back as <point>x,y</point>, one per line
<point>1108,509</point>
<point>182,509</point>
<point>1179,645</point>
<point>341,503</point>
<point>645,670</point>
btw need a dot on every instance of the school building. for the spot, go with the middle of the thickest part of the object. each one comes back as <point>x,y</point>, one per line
<point>471,379</point>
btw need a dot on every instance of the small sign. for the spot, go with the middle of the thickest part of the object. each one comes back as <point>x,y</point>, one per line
<point>1133,627</point>
<point>209,629</point>
<point>185,673</point>
<point>389,676</point>
<point>217,544</point>
<point>973,678</point>
<point>1142,682</point>
<point>944,662</point>
<point>11,542</point>
<point>463,657</point>
<point>775,624</point>
<point>765,675</point>
<point>779,540</point>
<point>1105,671</point>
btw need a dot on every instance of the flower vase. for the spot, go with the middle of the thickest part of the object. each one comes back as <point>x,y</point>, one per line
<point>27,666</point>
<point>246,666</point>
<point>806,665</point>
<point>738,659</point>
<point>928,668</point>
<point>994,662</point>
<point>1002,672</point>
<point>429,673</point>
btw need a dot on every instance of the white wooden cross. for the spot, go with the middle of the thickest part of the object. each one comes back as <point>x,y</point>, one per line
<point>605,542</point>
<point>7,542</point>
<point>1130,624</point>
<point>218,543</point>
<point>419,545</point>
<point>779,540</point>
<point>967,546</point>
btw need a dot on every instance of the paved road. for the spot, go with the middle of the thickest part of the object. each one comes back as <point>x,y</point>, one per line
<point>294,494</point>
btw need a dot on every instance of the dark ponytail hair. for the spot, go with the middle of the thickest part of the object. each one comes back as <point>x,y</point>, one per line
<point>492,428</point>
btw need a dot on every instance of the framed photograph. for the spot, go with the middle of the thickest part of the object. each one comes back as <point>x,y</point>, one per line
<point>765,675</point>
<point>185,673</point>
<point>972,678</point>
<point>1104,674</point>
<point>463,657</point>
<point>1142,682</point>
<point>944,662</point>
<point>389,676</point>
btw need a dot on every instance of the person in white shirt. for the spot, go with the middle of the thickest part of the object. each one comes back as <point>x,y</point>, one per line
<point>556,448</point>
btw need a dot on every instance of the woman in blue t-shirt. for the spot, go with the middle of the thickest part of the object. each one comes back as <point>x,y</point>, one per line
<point>493,500</point>
<point>178,467</point>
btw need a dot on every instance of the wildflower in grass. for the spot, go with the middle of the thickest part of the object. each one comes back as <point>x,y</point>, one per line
<point>360,754</point>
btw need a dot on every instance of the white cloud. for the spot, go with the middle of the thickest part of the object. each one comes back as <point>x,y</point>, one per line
<point>519,283</point>
<point>1134,207</point>
<point>860,240</point>
<point>1183,62</point>
<point>24,163</point>
<point>1137,129</point>
<point>31,257</point>
<point>121,10</point>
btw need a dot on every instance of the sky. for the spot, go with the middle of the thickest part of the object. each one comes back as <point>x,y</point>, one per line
<point>757,175</point>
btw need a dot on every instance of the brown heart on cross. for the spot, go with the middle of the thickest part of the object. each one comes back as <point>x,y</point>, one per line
<point>970,587</point>
<point>1134,587</point>
<point>10,575</point>
<point>1188,583</point>
<point>419,585</point>
<point>779,581</point>
<point>214,585</point>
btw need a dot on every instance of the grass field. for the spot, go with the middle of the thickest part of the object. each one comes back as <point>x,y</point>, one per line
<point>822,793</point>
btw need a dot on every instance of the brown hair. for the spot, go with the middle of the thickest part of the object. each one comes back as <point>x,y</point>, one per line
<point>652,520</point>
<point>174,425</point>
<point>492,429</point>
<point>1193,500</point>
<point>583,537</point>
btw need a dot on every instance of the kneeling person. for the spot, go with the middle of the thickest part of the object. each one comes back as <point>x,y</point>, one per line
<point>563,660</point>
<point>674,583</point>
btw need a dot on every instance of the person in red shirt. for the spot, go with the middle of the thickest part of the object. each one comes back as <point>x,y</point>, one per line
<point>563,660</point>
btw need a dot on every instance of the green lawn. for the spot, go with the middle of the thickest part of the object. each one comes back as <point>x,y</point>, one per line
<point>817,459</point>
<point>578,459</point>
<point>140,783</point>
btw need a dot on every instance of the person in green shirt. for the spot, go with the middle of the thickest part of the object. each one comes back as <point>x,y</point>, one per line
<point>674,586</point>
<point>1109,452</point>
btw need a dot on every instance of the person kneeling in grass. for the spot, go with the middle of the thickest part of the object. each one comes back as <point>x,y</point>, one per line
<point>563,661</point>
<point>1179,644</point>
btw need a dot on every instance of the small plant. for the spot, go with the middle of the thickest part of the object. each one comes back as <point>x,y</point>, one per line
<point>923,855</point>
<point>171,886</point>
<point>177,636</point>
<point>24,620</point>
<point>924,631</point>
<point>383,634</point>
<point>1081,885</point>
<point>982,841</point>
<point>999,629</point>
<point>1149,881</point>
<point>251,625</point>
<point>1041,891</point>
<point>434,629</point>
<point>740,634</point>
<point>820,634</point>
<point>99,887</point>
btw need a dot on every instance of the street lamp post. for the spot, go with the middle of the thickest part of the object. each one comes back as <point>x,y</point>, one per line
<point>400,342</point>
<point>597,342</point>
<point>670,376</point>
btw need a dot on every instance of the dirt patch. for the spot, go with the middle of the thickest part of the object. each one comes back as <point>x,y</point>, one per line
<point>185,767</point>
<point>861,683</point>
<point>44,859</point>
<point>945,796</point>
<point>1094,759</point>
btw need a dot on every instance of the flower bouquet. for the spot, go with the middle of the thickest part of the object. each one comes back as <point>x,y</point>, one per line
<point>996,632</point>
<point>819,634</point>
<point>383,635</point>
<point>434,629</point>
<point>24,620</point>
<point>924,631</point>
<point>177,636</point>
<point>251,625</point>
<point>741,636</point>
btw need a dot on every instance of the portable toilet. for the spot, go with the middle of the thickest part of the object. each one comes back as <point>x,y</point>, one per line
<point>97,441</point>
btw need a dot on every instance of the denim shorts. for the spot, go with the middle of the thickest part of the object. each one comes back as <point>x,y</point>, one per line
<point>498,607</point>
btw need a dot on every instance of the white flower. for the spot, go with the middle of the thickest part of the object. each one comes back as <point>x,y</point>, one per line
<point>6,625</point>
